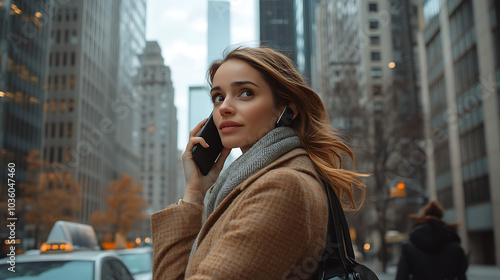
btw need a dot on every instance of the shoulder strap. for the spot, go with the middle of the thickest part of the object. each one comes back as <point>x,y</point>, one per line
<point>339,228</point>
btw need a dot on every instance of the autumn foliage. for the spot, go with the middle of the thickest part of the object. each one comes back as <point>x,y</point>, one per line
<point>125,208</point>
<point>48,198</point>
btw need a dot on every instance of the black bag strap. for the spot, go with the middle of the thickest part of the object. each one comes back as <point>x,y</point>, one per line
<point>339,229</point>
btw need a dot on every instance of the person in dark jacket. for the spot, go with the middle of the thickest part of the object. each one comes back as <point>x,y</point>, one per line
<point>433,250</point>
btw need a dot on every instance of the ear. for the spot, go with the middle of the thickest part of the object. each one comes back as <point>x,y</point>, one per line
<point>294,109</point>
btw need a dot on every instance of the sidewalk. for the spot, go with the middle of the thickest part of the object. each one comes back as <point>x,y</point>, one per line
<point>474,272</point>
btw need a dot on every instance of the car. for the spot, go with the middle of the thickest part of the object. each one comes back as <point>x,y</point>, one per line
<point>76,265</point>
<point>71,252</point>
<point>139,261</point>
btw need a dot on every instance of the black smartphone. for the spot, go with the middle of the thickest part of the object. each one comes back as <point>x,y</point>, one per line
<point>206,157</point>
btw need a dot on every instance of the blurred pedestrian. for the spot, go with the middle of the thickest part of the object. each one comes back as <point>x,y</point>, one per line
<point>265,216</point>
<point>433,250</point>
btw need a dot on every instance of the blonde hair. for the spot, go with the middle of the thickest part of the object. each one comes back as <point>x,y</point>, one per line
<point>312,124</point>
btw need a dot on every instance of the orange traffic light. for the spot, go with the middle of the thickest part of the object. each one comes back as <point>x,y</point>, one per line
<point>398,191</point>
<point>401,192</point>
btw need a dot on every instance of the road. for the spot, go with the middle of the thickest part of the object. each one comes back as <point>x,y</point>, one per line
<point>474,272</point>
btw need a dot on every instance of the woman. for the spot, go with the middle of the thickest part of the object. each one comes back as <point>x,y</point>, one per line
<point>266,216</point>
<point>433,251</point>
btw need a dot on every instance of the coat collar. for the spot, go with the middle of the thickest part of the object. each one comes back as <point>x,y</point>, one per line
<point>297,159</point>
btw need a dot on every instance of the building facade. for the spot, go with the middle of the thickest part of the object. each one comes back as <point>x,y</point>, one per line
<point>158,137</point>
<point>90,110</point>
<point>24,45</point>
<point>132,44</point>
<point>200,105</point>
<point>277,26</point>
<point>459,41</point>
<point>218,29</point>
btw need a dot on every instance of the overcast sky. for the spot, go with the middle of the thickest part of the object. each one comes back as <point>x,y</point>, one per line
<point>180,27</point>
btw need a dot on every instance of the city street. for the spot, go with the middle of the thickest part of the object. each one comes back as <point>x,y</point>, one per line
<point>474,272</point>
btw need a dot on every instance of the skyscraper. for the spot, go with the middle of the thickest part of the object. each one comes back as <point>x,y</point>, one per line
<point>89,110</point>
<point>24,44</point>
<point>289,26</point>
<point>199,104</point>
<point>277,26</point>
<point>158,135</point>
<point>132,44</point>
<point>219,29</point>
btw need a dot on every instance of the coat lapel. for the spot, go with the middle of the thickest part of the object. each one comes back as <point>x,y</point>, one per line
<point>222,207</point>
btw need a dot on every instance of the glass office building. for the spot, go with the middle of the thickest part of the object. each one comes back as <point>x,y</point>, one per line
<point>24,35</point>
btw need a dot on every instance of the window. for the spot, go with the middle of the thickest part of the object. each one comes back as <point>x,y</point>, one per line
<point>373,23</point>
<point>71,105</point>
<point>59,154</point>
<point>74,39</point>
<point>376,72</point>
<point>377,89</point>
<point>63,82</point>
<point>51,154</point>
<point>66,36</point>
<point>70,130</point>
<point>53,106</point>
<point>372,7</point>
<point>57,60</point>
<point>58,36</point>
<point>71,82</point>
<point>63,106</point>
<point>375,56</point>
<point>61,131</point>
<point>374,40</point>
<point>53,130</point>
<point>68,155</point>
<point>73,57</point>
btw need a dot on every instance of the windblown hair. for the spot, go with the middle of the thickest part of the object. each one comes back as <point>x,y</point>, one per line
<point>312,124</point>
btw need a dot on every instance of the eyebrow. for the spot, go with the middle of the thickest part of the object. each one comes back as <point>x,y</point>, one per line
<point>235,84</point>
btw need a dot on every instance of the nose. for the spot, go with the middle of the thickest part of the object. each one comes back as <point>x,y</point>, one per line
<point>227,107</point>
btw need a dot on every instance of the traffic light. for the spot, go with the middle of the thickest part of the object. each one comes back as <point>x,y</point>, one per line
<point>398,190</point>
<point>401,192</point>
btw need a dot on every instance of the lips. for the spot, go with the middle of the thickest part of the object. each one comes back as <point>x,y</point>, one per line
<point>228,126</point>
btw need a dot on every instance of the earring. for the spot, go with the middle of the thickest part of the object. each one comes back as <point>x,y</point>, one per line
<point>285,118</point>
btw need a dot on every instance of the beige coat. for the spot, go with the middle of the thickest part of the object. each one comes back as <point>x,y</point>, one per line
<point>271,226</point>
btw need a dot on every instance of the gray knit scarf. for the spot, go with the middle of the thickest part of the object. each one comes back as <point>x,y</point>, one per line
<point>273,145</point>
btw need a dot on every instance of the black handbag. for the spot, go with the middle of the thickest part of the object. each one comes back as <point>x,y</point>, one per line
<point>338,262</point>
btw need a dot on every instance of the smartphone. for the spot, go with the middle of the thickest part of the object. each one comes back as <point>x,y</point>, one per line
<point>206,157</point>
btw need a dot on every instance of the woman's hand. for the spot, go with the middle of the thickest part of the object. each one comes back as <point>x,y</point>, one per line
<point>197,184</point>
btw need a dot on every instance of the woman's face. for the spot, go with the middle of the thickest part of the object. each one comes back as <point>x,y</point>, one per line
<point>244,108</point>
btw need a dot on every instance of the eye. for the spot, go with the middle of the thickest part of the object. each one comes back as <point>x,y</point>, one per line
<point>246,93</point>
<point>217,98</point>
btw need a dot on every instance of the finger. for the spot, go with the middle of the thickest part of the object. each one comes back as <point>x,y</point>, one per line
<point>193,141</point>
<point>197,128</point>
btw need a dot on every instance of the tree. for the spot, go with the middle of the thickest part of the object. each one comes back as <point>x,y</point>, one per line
<point>48,198</point>
<point>125,208</point>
